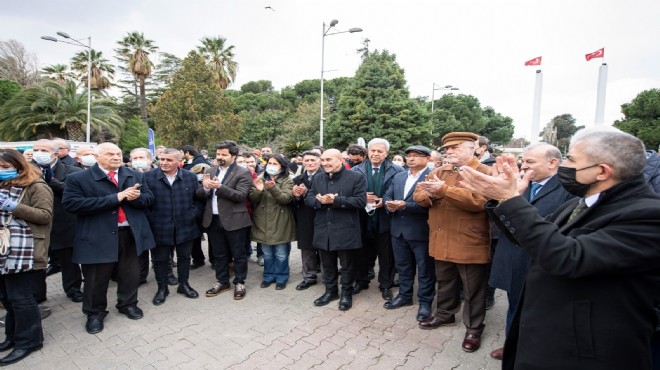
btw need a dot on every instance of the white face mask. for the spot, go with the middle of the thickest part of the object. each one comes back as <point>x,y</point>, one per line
<point>43,158</point>
<point>88,160</point>
<point>244,165</point>
<point>140,164</point>
<point>200,176</point>
<point>400,163</point>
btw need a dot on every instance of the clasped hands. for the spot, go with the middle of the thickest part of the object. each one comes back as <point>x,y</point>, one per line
<point>129,194</point>
<point>326,199</point>
<point>505,182</point>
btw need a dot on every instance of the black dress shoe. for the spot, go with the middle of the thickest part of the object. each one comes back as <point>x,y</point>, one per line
<point>424,312</point>
<point>95,323</point>
<point>18,354</point>
<point>6,345</point>
<point>397,302</point>
<point>187,290</point>
<point>357,287</point>
<point>265,284</point>
<point>195,266</point>
<point>161,295</point>
<point>53,269</point>
<point>435,322</point>
<point>75,296</point>
<point>280,286</point>
<point>345,302</point>
<point>133,312</point>
<point>386,293</point>
<point>326,298</point>
<point>172,279</point>
<point>305,284</point>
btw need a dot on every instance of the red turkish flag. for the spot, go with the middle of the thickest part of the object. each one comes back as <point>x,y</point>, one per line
<point>600,53</point>
<point>534,62</point>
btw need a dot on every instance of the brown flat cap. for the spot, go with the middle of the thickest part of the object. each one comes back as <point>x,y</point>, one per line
<point>454,138</point>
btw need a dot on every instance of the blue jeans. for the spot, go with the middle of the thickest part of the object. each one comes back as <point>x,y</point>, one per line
<point>276,262</point>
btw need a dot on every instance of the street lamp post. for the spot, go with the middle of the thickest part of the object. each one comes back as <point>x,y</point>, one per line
<point>89,70</point>
<point>438,87</point>
<point>325,33</point>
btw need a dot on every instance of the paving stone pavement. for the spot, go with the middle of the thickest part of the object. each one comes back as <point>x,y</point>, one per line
<point>268,329</point>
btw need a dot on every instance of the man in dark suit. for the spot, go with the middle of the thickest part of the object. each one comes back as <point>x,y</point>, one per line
<point>111,202</point>
<point>173,220</point>
<point>592,283</point>
<point>378,171</point>
<point>64,223</point>
<point>338,196</point>
<point>225,189</point>
<point>410,235</point>
<point>63,150</point>
<point>542,188</point>
<point>305,219</point>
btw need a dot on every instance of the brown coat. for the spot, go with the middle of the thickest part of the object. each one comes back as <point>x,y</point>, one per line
<point>458,223</point>
<point>36,209</point>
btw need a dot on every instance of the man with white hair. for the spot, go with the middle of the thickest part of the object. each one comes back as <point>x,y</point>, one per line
<point>379,172</point>
<point>112,230</point>
<point>592,284</point>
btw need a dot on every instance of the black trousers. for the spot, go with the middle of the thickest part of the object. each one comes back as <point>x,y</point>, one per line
<point>97,277</point>
<point>228,245</point>
<point>71,275</point>
<point>197,254</point>
<point>330,272</point>
<point>23,322</point>
<point>160,256</point>
<point>39,287</point>
<point>379,246</point>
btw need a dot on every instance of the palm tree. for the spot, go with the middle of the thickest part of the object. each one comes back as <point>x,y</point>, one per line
<point>135,49</point>
<point>219,59</point>
<point>52,110</point>
<point>57,72</point>
<point>102,71</point>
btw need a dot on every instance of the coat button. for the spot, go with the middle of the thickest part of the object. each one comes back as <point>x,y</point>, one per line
<point>502,218</point>
<point>507,223</point>
<point>512,230</point>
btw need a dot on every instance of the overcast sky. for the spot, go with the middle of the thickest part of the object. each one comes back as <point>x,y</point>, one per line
<point>479,46</point>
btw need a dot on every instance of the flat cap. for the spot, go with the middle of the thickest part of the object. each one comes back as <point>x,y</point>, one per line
<point>421,149</point>
<point>454,138</point>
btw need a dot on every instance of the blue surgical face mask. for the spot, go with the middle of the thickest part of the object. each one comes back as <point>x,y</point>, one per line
<point>8,174</point>
<point>272,170</point>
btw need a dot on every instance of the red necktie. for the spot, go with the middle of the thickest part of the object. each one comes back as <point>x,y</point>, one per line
<point>121,216</point>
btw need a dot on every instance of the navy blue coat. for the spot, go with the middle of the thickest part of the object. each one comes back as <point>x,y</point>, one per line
<point>174,212</point>
<point>92,196</point>
<point>411,222</point>
<point>337,225</point>
<point>381,213</point>
<point>510,261</point>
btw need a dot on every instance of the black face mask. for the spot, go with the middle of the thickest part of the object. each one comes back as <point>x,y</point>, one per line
<point>567,179</point>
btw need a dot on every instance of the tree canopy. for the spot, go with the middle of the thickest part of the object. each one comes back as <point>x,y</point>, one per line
<point>642,118</point>
<point>195,110</point>
<point>376,103</point>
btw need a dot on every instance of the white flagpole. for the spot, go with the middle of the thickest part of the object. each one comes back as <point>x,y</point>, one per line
<point>600,97</point>
<point>536,111</point>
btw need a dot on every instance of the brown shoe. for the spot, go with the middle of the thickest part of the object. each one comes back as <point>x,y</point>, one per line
<point>435,322</point>
<point>497,354</point>
<point>239,291</point>
<point>472,342</point>
<point>217,288</point>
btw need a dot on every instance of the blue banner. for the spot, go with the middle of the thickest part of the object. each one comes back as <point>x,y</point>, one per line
<point>152,142</point>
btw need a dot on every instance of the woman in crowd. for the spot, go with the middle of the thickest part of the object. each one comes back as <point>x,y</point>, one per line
<point>273,225</point>
<point>26,210</point>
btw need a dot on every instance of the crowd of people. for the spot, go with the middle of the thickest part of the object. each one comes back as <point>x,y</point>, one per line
<point>571,240</point>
